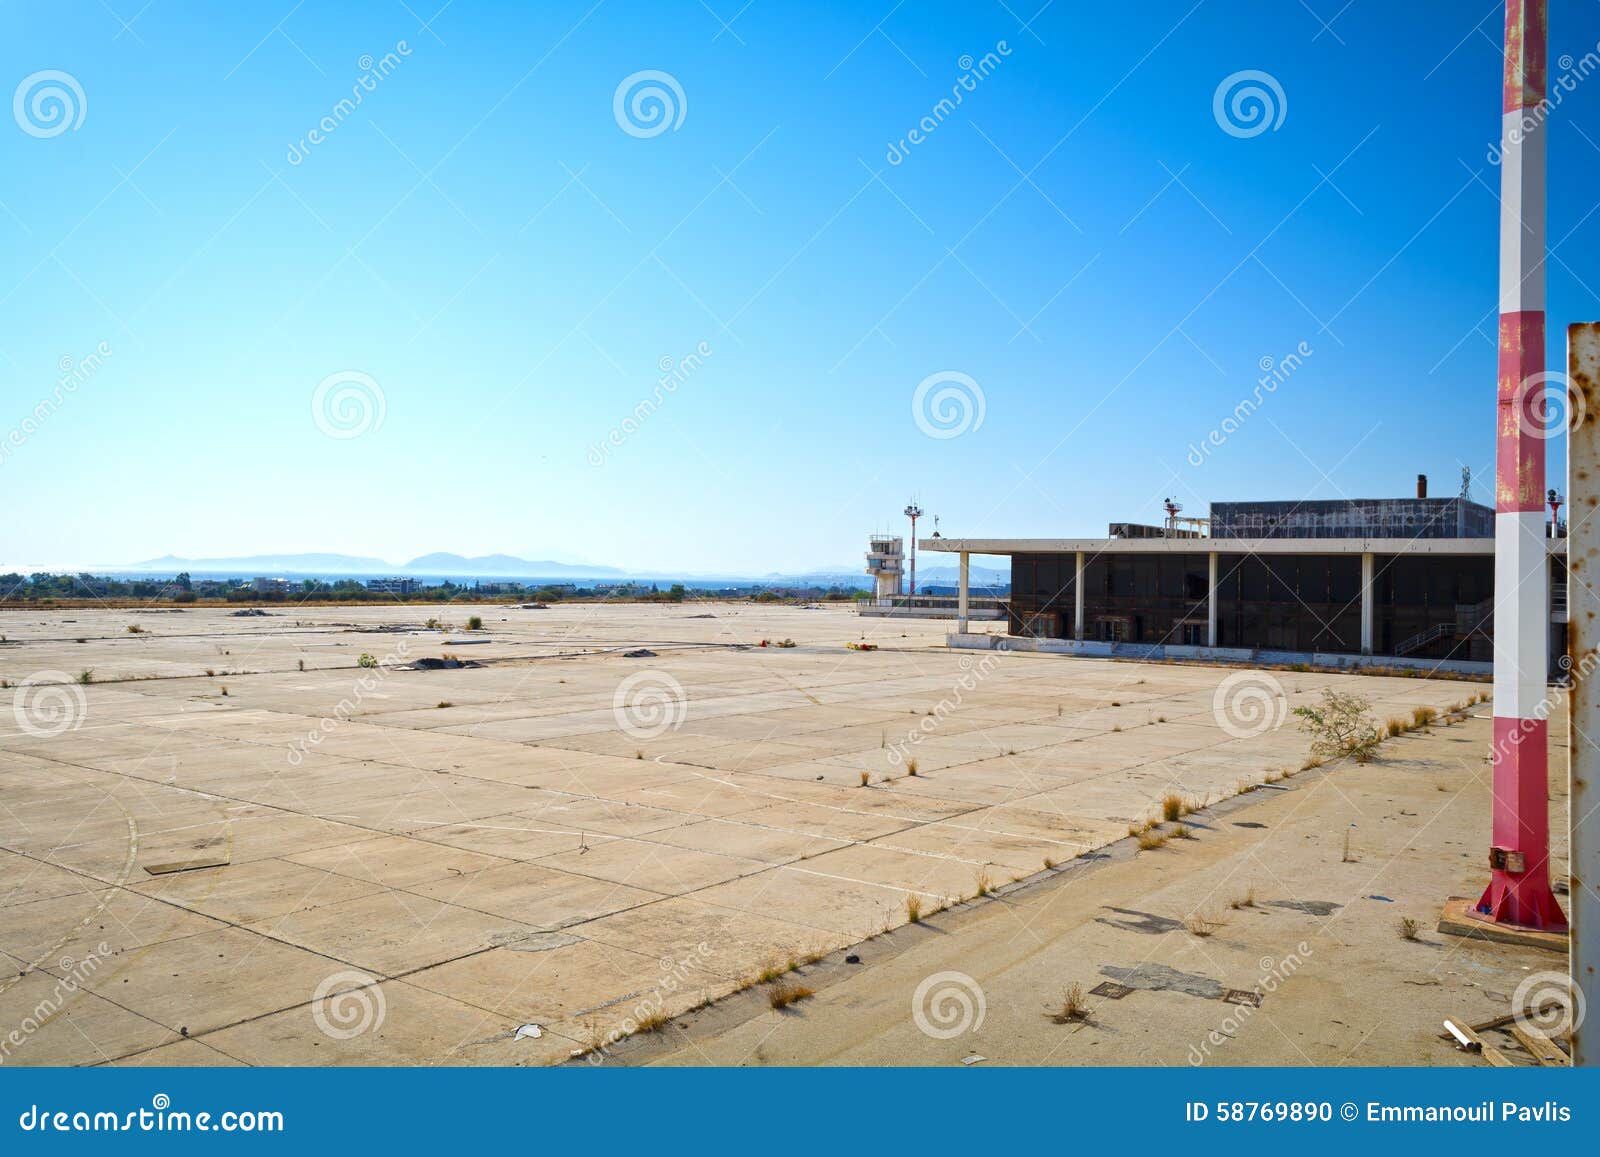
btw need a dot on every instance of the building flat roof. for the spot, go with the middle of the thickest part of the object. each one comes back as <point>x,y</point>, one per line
<point>1007,546</point>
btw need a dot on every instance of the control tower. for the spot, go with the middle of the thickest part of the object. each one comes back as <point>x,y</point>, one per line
<point>886,563</point>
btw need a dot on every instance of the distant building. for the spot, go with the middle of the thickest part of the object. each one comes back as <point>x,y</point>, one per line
<point>1353,518</point>
<point>1408,580</point>
<point>267,586</point>
<point>392,586</point>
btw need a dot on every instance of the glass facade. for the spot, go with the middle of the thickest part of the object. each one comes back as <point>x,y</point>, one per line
<point>1424,605</point>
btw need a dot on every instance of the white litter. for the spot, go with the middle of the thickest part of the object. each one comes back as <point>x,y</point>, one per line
<point>532,1030</point>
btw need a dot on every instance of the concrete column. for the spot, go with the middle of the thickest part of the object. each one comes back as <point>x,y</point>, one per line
<point>1211,604</point>
<point>961,597</point>
<point>1583,627</point>
<point>1519,853</point>
<point>1366,603</point>
<point>1077,600</point>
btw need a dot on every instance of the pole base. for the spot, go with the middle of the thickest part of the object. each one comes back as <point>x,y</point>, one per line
<point>1460,919</point>
<point>1522,901</point>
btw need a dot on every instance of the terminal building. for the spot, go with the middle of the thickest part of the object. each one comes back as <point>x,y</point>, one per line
<point>1400,582</point>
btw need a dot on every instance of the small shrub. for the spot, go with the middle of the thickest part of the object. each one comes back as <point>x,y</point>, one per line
<point>444,703</point>
<point>135,629</point>
<point>653,1021</point>
<point>911,767</point>
<point>1049,864</point>
<point>783,995</point>
<point>984,883</point>
<point>1202,925</point>
<point>1423,716</point>
<point>1409,928</point>
<point>1149,841</point>
<point>475,623</point>
<point>769,973</point>
<point>914,908</point>
<point>86,676</point>
<point>366,660</point>
<point>224,689</point>
<point>1248,900</point>
<point>638,754</point>
<point>1340,725</point>
<point>1072,1007</point>
<point>210,674</point>
<point>1182,832</point>
<point>1171,806</point>
<point>1395,726</point>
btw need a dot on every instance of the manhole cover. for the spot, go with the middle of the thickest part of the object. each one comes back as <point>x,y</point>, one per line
<point>1110,989</point>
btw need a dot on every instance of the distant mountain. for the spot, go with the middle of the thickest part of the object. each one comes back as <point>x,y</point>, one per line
<point>440,564</point>
<point>503,565</point>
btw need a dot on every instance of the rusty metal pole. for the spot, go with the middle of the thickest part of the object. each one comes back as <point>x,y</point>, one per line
<point>1519,887</point>
<point>1583,617</point>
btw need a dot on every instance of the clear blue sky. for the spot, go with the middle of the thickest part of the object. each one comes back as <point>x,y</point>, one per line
<point>484,241</point>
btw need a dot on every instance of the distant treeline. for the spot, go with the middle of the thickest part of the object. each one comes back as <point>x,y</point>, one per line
<point>48,588</point>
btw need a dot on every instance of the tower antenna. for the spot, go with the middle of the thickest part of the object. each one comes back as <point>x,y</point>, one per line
<point>913,512</point>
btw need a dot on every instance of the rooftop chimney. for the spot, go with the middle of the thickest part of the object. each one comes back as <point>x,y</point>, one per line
<point>1422,486</point>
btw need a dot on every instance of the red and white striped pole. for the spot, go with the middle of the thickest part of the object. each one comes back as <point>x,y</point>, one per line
<point>1519,888</point>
